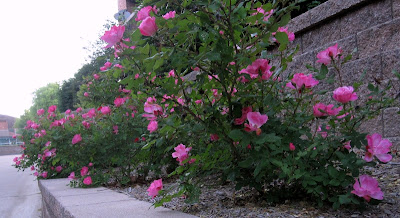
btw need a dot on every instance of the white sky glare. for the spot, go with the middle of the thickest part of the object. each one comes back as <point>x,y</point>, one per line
<point>42,42</point>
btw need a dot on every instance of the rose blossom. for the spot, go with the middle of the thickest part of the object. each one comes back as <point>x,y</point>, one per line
<point>345,94</point>
<point>84,171</point>
<point>367,188</point>
<point>148,26</point>
<point>169,15</point>
<point>155,187</point>
<point>181,153</point>
<point>77,138</point>
<point>328,54</point>
<point>378,147</point>
<point>87,180</point>
<point>113,36</point>
<point>321,110</point>
<point>71,176</point>
<point>145,12</point>
<point>40,112</point>
<point>256,120</point>
<point>300,79</point>
<point>153,126</point>
<point>105,110</point>
<point>292,147</point>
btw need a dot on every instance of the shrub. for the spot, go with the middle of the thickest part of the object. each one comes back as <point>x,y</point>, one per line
<point>215,100</point>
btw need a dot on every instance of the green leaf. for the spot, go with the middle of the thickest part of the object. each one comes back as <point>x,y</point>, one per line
<point>344,199</point>
<point>332,172</point>
<point>148,145</point>
<point>145,49</point>
<point>235,135</point>
<point>322,73</point>
<point>158,64</point>
<point>213,56</point>
<point>334,182</point>
<point>285,20</point>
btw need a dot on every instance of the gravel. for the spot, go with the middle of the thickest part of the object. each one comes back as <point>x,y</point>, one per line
<point>224,201</point>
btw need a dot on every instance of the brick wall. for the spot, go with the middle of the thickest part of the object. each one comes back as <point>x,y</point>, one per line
<point>370,26</point>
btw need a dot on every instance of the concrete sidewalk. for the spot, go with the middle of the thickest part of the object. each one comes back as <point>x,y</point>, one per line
<point>59,200</point>
<point>19,191</point>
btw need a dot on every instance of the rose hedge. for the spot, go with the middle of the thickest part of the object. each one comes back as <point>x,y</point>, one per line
<point>210,98</point>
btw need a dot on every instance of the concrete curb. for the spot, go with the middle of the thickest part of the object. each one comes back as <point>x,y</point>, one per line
<point>60,200</point>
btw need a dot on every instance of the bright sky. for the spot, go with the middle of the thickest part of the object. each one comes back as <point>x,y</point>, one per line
<point>42,42</point>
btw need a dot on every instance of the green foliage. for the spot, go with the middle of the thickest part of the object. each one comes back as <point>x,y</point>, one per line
<point>198,68</point>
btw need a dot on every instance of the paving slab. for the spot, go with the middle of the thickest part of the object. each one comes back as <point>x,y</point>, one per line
<point>60,200</point>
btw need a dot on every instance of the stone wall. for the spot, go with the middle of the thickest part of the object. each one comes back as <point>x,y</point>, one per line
<point>372,27</point>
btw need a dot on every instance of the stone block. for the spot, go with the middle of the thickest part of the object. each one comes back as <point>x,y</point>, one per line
<point>392,122</point>
<point>352,71</point>
<point>298,65</point>
<point>379,38</point>
<point>300,23</point>
<point>371,126</point>
<point>329,32</point>
<point>395,144</point>
<point>332,8</point>
<point>364,17</point>
<point>310,40</point>
<point>390,62</point>
<point>396,8</point>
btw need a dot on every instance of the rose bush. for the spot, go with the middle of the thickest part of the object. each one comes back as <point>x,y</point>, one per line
<point>209,96</point>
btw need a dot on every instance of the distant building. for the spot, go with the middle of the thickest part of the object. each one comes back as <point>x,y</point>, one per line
<point>7,130</point>
<point>126,4</point>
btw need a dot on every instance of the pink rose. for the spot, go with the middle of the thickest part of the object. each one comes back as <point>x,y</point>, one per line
<point>52,108</point>
<point>79,110</point>
<point>40,112</point>
<point>169,15</point>
<point>105,110</point>
<point>113,36</point>
<point>378,147</point>
<point>347,145</point>
<point>321,110</point>
<point>290,35</point>
<point>84,171</point>
<point>96,77</point>
<point>328,54</point>
<point>155,187</point>
<point>345,94</point>
<point>181,153</point>
<point>299,80</point>
<point>86,94</point>
<point>148,26</point>
<point>256,120</point>
<point>245,110</point>
<point>115,129</point>
<point>71,176</point>
<point>44,174</point>
<point>214,137</point>
<point>119,101</point>
<point>292,147</point>
<point>87,180</point>
<point>367,188</point>
<point>77,138</point>
<point>59,169</point>
<point>153,126</point>
<point>145,12</point>
<point>259,67</point>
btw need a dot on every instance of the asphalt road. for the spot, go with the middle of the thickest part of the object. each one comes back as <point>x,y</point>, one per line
<point>19,192</point>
